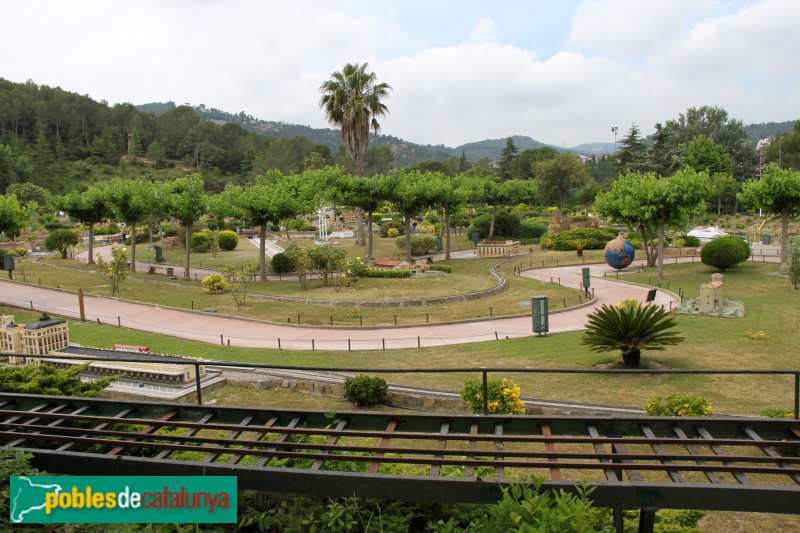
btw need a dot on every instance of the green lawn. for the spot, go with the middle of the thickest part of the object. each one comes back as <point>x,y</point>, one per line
<point>711,343</point>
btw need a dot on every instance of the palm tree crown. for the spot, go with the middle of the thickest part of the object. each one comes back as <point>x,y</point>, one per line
<point>351,99</point>
<point>630,329</point>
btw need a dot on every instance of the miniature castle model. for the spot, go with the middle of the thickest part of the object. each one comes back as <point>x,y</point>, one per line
<point>710,299</point>
<point>563,223</point>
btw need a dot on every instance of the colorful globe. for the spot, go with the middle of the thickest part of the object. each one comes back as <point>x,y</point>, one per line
<point>619,253</point>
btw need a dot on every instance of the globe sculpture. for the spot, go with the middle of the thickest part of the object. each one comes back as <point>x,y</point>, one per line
<point>619,253</point>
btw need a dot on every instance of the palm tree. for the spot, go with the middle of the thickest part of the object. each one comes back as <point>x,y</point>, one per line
<point>630,328</point>
<point>351,100</point>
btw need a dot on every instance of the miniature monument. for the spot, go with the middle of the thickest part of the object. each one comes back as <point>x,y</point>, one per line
<point>711,303</point>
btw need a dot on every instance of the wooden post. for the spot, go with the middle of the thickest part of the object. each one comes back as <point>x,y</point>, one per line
<point>80,305</point>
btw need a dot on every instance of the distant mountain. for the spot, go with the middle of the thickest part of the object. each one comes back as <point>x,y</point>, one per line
<point>756,132</point>
<point>408,153</point>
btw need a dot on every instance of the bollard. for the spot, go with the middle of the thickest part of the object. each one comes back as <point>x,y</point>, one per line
<point>197,383</point>
<point>31,305</point>
<point>496,337</point>
<point>98,320</point>
<point>313,348</point>
<point>119,322</point>
<point>395,320</point>
<point>491,312</point>
<point>360,320</point>
<point>426,319</point>
<point>192,305</point>
<point>418,343</point>
<point>348,346</point>
<point>298,318</point>
<point>279,343</point>
<point>331,320</point>
<point>221,340</point>
<point>383,342</point>
<point>229,342</point>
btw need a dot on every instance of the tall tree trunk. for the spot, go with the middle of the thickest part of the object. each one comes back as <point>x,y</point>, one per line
<point>784,241</point>
<point>361,239</point>
<point>91,243</point>
<point>491,224</point>
<point>648,252</point>
<point>447,231</point>
<point>188,232</point>
<point>660,254</point>
<point>133,246</point>
<point>407,222</point>
<point>369,230</point>
<point>262,248</point>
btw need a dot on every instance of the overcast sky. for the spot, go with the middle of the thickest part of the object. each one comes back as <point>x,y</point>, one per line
<point>562,72</point>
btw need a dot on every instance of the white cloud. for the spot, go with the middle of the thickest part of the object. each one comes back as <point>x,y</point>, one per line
<point>631,27</point>
<point>483,32</point>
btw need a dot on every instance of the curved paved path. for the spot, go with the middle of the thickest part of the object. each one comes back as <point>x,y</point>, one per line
<point>211,328</point>
<point>205,327</point>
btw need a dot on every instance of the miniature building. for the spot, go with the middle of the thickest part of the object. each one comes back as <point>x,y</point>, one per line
<point>498,248</point>
<point>563,223</point>
<point>710,299</point>
<point>51,336</point>
<point>342,234</point>
<point>349,216</point>
<point>416,267</point>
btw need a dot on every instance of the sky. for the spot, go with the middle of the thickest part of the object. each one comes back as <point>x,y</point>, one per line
<point>563,72</point>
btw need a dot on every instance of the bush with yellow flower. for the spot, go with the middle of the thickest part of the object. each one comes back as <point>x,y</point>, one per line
<point>503,396</point>
<point>679,404</point>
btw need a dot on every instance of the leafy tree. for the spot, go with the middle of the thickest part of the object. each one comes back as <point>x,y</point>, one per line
<point>89,207</point>
<point>778,191</point>
<point>562,174</point>
<point>326,260</point>
<point>61,240</point>
<point>507,157</point>
<point>186,200</point>
<point>352,100</point>
<point>270,199</point>
<point>378,160</point>
<point>783,150</point>
<point>363,193</point>
<point>524,166</point>
<point>647,203</point>
<point>632,157</point>
<point>722,186</point>
<point>714,123</point>
<point>239,279</point>
<point>664,157</point>
<point>28,192</point>
<point>704,155</point>
<point>630,328</point>
<point>14,167</point>
<point>132,201</point>
<point>115,271</point>
<point>14,217</point>
<point>448,193</point>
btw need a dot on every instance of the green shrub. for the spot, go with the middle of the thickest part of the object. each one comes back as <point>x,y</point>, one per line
<point>678,404</point>
<point>393,233</point>
<point>547,241</point>
<point>595,239</point>
<point>365,390</point>
<point>227,240</point>
<point>441,268</point>
<point>420,244</point>
<point>389,224</point>
<point>280,263</point>
<point>214,283</point>
<point>506,224</point>
<point>61,240</point>
<point>532,228</point>
<point>201,242</point>
<point>725,252</point>
<point>503,396</point>
<point>386,274</point>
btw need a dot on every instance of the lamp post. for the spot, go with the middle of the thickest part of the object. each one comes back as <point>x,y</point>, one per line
<point>614,130</point>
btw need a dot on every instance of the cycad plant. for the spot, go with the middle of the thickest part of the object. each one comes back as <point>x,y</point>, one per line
<point>630,328</point>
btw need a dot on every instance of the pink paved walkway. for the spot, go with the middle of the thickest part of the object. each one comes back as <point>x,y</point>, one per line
<point>211,328</point>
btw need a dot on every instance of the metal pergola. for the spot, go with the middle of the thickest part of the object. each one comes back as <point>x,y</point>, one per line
<point>646,463</point>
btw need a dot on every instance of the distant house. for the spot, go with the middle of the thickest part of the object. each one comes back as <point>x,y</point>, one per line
<point>417,267</point>
<point>498,248</point>
<point>342,234</point>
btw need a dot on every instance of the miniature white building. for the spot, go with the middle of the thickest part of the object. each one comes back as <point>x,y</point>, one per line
<point>710,298</point>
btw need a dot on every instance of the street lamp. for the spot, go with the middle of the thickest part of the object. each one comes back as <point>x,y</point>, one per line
<point>614,130</point>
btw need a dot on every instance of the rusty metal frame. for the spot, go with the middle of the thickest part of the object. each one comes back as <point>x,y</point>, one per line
<point>719,463</point>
